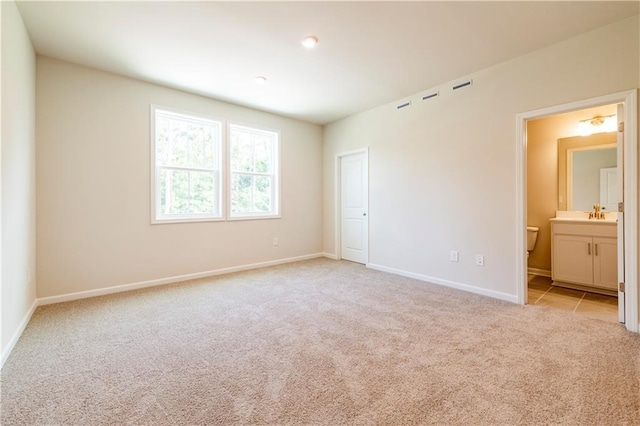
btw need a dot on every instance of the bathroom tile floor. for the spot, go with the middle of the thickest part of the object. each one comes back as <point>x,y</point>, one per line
<point>593,305</point>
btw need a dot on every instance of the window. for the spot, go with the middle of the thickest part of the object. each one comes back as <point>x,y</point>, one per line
<point>253,163</point>
<point>186,177</point>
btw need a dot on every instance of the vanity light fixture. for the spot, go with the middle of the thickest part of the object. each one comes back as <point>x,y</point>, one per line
<point>599,124</point>
<point>310,41</point>
<point>260,80</point>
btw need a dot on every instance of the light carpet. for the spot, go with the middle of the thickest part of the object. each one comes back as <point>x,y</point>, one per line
<point>317,342</point>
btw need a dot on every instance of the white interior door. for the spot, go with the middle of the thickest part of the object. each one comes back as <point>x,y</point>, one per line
<point>620,149</point>
<point>354,203</point>
<point>609,189</point>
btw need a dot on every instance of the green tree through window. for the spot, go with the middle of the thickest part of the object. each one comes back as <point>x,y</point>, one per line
<point>187,166</point>
<point>254,172</point>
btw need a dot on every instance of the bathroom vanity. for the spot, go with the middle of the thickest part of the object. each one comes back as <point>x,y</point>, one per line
<point>584,254</point>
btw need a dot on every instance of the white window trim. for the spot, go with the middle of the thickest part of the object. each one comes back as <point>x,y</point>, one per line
<point>278,172</point>
<point>154,196</point>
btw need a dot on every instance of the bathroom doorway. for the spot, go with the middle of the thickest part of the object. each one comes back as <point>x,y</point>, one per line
<point>564,163</point>
<point>542,192</point>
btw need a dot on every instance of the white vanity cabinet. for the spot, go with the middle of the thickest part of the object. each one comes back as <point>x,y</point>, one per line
<point>585,255</point>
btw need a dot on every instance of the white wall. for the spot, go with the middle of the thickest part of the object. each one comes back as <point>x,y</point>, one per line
<point>443,171</point>
<point>93,190</point>
<point>18,291</point>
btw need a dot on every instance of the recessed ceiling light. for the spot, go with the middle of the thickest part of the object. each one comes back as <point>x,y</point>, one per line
<point>310,41</point>
<point>260,79</point>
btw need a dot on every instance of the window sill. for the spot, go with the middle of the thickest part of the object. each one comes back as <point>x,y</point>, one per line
<point>233,219</point>
<point>186,220</point>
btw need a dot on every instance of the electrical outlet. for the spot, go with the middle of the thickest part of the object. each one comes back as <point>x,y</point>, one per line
<point>275,241</point>
<point>28,275</point>
<point>479,260</point>
<point>454,256</point>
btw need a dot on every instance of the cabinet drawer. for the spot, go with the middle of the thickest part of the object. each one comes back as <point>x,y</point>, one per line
<point>587,229</point>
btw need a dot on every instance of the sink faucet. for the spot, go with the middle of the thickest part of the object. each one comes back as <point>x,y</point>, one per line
<point>596,213</point>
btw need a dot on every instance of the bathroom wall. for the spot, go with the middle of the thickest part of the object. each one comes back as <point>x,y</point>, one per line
<point>542,176</point>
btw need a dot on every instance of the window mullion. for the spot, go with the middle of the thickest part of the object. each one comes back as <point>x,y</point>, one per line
<point>167,192</point>
<point>253,193</point>
<point>189,192</point>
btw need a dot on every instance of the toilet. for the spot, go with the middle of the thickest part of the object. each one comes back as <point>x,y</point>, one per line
<point>532,237</point>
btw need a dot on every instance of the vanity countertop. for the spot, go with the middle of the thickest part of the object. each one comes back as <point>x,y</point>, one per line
<point>583,217</point>
<point>583,220</point>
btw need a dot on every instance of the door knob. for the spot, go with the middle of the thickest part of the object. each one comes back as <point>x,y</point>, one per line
<point>364,214</point>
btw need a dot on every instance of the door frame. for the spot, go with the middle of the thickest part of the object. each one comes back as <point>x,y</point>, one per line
<point>338,196</point>
<point>630,146</point>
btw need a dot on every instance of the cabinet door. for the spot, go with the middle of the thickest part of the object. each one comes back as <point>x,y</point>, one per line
<point>572,259</point>
<point>605,262</point>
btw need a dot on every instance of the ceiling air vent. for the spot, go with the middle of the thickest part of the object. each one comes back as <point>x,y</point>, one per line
<point>431,95</point>
<point>403,105</point>
<point>463,84</point>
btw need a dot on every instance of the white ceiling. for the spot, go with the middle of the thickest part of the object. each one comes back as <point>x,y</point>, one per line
<point>369,53</point>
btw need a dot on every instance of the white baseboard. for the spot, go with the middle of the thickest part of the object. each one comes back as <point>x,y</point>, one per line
<point>330,256</point>
<point>539,272</point>
<point>162,281</point>
<point>18,333</point>
<point>446,283</point>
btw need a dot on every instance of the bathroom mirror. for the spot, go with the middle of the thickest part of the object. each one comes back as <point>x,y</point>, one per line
<point>587,172</point>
